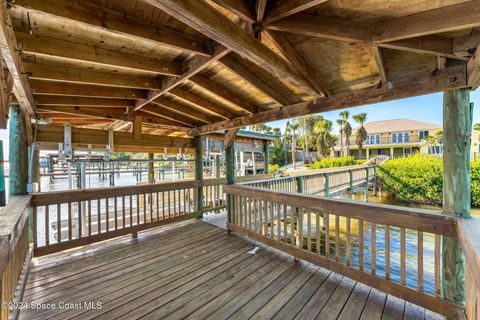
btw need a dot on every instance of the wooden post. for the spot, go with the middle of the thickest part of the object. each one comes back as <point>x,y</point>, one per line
<point>151,176</point>
<point>36,170</point>
<point>327,184</point>
<point>3,198</point>
<point>299,184</point>
<point>18,153</point>
<point>198,143</point>
<point>229,145</point>
<point>457,131</point>
<point>350,177</point>
<point>265,153</point>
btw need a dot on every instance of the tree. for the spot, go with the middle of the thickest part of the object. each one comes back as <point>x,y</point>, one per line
<point>325,140</point>
<point>361,134</point>
<point>293,129</point>
<point>436,139</point>
<point>305,139</point>
<point>476,126</point>
<point>340,123</point>
<point>347,129</point>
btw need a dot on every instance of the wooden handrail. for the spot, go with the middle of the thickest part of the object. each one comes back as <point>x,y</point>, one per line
<point>418,219</point>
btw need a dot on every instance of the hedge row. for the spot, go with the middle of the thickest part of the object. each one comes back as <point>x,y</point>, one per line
<point>420,178</point>
<point>335,162</point>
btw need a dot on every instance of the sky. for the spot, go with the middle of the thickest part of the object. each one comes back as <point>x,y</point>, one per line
<point>427,108</point>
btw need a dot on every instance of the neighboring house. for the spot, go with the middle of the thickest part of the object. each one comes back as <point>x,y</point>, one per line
<point>394,138</point>
<point>437,149</point>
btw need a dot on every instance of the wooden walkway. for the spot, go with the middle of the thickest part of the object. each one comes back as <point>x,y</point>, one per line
<point>195,270</point>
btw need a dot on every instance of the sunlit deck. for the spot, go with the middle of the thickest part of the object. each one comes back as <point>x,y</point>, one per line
<point>196,270</point>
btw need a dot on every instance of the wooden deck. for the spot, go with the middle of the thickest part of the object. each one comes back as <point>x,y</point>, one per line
<point>195,270</point>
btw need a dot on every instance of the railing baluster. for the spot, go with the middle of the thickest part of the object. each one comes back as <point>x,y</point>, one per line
<point>373,248</point>
<point>387,252</point>
<point>169,204</point>
<point>47,225</point>
<point>420,261</point>
<point>317,229</point>
<point>402,257</point>
<point>80,222</point>
<point>163,205</point>
<point>116,213</point>
<point>272,209</point>
<point>279,226</point>
<point>107,215</point>
<point>348,255</point>
<point>158,206</point>
<point>285,222</point>
<point>89,203</point>
<point>69,221</point>
<point>59,223</point>
<point>337,237</point>
<point>138,209</point>
<point>266,209</point>
<point>35,232</point>
<point>292,226</point>
<point>258,205</point>
<point>360,244</point>
<point>436,268</point>
<point>326,225</point>
<point>131,210</point>
<point>123,212</point>
<point>99,217</point>
<point>300,227</point>
<point>309,231</point>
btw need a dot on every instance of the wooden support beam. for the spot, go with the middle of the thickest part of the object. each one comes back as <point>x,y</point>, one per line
<point>291,54</point>
<point>170,115</point>
<point>186,110</point>
<point>71,51</point>
<point>81,101</point>
<point>473,70</point>
<point>235,66</point>
<point>81,90</point>
<point>260,9</point>
<point>448,79</point>
<point>192,66</point>
<point>446,19</point>
<point>54,134</point>
<point>198,142</point>
<point>82,76</point>
<point>6,84</point>
<point>222,92</point>
<point>18,153</point>
<point>382,72</point>
<point>286,8</point>
<point>229,146</point>
<point>457,132</point>
<point>361,33</point>
<point>79,16</point>
<point>202,103</point>
<point>137,126</point>
<point>241,8</point>
<point>229,137</point>
<point>10,54</point>
<point>212,23</point>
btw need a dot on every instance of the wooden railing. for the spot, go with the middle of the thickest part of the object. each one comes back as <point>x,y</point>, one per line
<point>378,245</point>
<point>469,237</point>
<point>67,219</point>
<point>328,183</point>
<point>14,250</point>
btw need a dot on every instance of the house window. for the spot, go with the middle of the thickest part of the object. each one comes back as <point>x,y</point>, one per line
<point>406,137</point>
<point>394,138</point>
<point>435,150</point>
<point>423,134</point>
<point>400,137</point>
<point>373,139</point>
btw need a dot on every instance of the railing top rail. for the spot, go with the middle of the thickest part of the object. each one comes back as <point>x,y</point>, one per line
<point>469,236</point>
<point>411,218</point>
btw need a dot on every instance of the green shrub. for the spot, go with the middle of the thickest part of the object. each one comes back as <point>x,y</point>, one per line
<point>272,168</point>
<point>335,162</point>
<point>419,178</point>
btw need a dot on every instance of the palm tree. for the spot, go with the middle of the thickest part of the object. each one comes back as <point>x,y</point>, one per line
<point>305,140</point>
<point>476,126</point>
<point>435,139</point>
<point>340,123</point>
<point>323,128</point>
<point>361,134</point>
<point>293,129</point>
<point>347,129</point>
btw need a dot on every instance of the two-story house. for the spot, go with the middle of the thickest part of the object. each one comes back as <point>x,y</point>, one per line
<point>394,138</point>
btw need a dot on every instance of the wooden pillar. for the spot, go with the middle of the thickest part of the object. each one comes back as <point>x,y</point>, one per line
<point>198,144</point>
<point>3,198</point>
<point>36,170</point>
<point>457,132</point>
<point>18,153</point>
<point>151,175</point>
<point>265,153</point>
<point>229,145</point>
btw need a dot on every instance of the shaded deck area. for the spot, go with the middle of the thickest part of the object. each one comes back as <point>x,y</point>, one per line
<point>195,270</point>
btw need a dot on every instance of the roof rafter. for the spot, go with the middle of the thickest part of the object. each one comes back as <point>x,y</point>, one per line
<point>238,7</point>
<point>382,72</point>
<point>186,110</point>
<point>212,23</point>
<point>286,8</point>
<point>104,20</point>
<point>170,115</point>
<point>447,79</point>
<point>82,101</point>
<point>473,70</point>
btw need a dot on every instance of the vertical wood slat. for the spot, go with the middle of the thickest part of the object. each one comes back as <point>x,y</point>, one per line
<point>272,219</point>
<point>360,244</point>
<point>107,216</point>
<point>403,261</point>
<point>337,237</point>
<point>79,212</point>
<point>47,225</point>
<point>309,231</point>
<point>420,261</point>
<point>115,208</point>
<point>89,218</point>
<point>387,252</point>
<point>348,255</point>
<point>59,223</point>
<point>300,228</point>
<point>326,224</point>
<point>259,207</point>
<point>123,212</point>
<point>130,204</point>
<point>69,221</point>
<point>285,223</point>
<point>99,217</point>
<point>292,226</point>
<point>373,248</point>
<point>436,268</point>
<point>317,229</point>
<point>35,224</point>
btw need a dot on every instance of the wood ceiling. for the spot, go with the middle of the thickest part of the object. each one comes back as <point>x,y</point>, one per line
<point>188,67</point>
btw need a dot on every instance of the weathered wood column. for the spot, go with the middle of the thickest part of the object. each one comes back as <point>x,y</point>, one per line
<point>229,145</point>
<point>36,169</point>
<point>266,146</point>
<point>151,175</point>
<point>3,198</point>
<point>18,153</point>
<point>198,144</point>
<point>457,132</point>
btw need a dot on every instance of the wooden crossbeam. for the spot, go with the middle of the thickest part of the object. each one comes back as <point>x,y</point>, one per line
<point>448,79</point>
<point>235,66</point>
<point>222,92</point>
<point>193,66</point>
<point>201,103</point>
<point>186,110</point>
<point>82,76</point>
<point>82,90</point>
<point>260,7</point>
<point>212,23</point>
<point>10,54</point>
<point>71,51</point>
<point>6,86</point>
<point>473,70</point>
<point>449,18</point>
<point>286,8</point>
<point>290,53</point>
<point>229,137</point>
<point>241,8</point>
<point>82,101</point>
<point>361,33</point>
<point>170,115</point>
<point>377,54</point>
<point>86,16</point>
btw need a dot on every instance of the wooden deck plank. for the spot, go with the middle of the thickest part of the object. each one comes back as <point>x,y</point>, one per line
<point>198,271</point>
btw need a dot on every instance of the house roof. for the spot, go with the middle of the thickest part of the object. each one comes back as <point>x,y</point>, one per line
<point>395,125</point>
